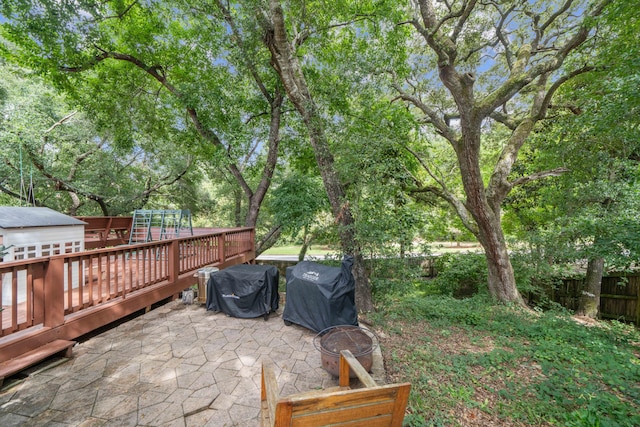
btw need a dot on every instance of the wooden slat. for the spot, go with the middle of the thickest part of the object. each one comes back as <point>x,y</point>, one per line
<point>341,413</point>
<point>372,406</point>
<point>269,389</point>
<point>317,392</point>
<point>357,397</point>
<point>381,421</point>
<point>400,404</point>
<point>347,360</point>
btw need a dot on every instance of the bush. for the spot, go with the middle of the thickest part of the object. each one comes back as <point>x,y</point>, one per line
<point>460,275</point>
<point>395,277</point>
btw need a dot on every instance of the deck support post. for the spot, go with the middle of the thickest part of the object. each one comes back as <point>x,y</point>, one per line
<point>54,293</point>
<point>174,261</point>
<point>222,242</point>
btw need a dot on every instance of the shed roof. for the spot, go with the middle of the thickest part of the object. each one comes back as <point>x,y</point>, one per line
<point>17,217</point>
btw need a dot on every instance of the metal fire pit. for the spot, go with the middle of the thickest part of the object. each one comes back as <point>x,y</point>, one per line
<point>359,341</point>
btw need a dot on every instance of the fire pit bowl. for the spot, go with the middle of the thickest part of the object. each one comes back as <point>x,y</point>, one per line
<point>359,341</point>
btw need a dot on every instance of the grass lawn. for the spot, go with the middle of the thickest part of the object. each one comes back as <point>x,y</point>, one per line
<point>314,250</point>
<point>474,363</point>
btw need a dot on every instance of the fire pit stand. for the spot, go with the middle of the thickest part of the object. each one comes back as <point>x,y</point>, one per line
<point>359,341</point>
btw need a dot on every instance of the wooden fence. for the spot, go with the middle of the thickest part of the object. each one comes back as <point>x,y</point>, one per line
<point>66,296</point>
<point>619,298</point>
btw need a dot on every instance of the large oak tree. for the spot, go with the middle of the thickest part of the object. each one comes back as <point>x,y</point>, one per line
<point>478,65</point>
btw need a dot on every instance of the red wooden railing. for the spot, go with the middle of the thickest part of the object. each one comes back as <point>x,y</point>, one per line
<point>66,296</point>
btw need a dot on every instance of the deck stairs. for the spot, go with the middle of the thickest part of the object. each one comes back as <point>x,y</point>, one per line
<point>33,357</point>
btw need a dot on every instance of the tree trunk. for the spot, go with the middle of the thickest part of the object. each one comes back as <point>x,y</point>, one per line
<point>589,299</point>
<point>526,73</point>
<point>237,210</point>
<point>268,240</point>
<point>257,197</point>
<point>501,279</point>
<point>306,242</point>
<point>341,212</point>
<point>286,64</point>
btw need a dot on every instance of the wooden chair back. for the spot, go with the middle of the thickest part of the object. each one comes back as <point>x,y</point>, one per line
<point>370,406</point>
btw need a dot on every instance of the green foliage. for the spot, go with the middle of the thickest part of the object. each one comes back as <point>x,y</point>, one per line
<point>460,274</point>
<point>139,71</point>
<point>393,278</point>
<point>297,201</point>
<point>57,148</point>
<point>516,365</point>
<point>591,210</point>
<point>142,72</point>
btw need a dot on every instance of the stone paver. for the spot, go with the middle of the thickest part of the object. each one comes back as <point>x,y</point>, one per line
<point>178,365</point>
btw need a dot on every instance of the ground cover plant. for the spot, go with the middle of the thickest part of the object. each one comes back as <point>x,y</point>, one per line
<point>472,362</point>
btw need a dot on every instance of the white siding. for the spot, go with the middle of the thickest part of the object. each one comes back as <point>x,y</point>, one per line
<point>26,243</point>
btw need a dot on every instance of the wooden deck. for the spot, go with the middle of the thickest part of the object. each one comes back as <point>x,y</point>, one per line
<point>104,278</point>
<point>65,296</point>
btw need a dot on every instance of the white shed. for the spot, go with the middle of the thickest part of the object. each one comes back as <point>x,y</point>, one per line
<point>37,232</point>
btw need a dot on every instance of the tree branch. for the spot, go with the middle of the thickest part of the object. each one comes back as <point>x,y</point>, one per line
<point>440,125</point>
<point>157,72</point>
<point>24,198</point>
<point>268,239</point>
<point>245,55</point>
<point>166,181</point>
<point>443,46</point>
<point>454,202</point>
<point>465,12</point>
<point>556,85</point>
<point>62,185</point>
<point>301,37</point>
<point>539,175</point>
<point>444,194</point>
<point>59,123</point>
<point>521,77</point>
<point>121,14</point>
<point>505,119</point>
<point>501,37</point>
<point>81,158</point>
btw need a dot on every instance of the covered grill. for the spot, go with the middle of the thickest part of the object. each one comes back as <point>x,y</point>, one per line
<point>319,296</point>
<point>244,291</point>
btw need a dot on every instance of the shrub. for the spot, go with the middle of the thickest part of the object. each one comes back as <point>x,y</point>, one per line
<point>460,275</point>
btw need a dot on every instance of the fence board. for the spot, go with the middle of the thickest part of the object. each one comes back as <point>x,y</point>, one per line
<point>619,296</point>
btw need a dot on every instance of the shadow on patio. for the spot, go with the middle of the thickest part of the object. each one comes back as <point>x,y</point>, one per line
<point>177,365</point>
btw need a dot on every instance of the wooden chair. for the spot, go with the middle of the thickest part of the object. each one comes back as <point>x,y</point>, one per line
<point>370,406</point>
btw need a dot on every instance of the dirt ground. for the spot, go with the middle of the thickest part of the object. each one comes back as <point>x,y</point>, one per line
<point>400,343</point>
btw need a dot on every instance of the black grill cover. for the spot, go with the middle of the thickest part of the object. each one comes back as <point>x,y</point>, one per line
<point>319,296</point>
<point>244,290</point>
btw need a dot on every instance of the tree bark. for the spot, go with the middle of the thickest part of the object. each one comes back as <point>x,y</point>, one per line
<point>501,279</point>
<point>268,239</point>
<point>589,299</point>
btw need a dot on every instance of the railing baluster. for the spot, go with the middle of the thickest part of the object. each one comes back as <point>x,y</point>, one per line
<point>72,282</point>
<point>69,288</point>
<point>14,299</point>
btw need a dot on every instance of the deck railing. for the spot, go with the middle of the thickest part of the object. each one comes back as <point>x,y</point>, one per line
<point>66,296</point>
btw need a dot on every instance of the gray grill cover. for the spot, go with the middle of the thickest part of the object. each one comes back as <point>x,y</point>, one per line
<point>319,296</point>
<point>244,290</point>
